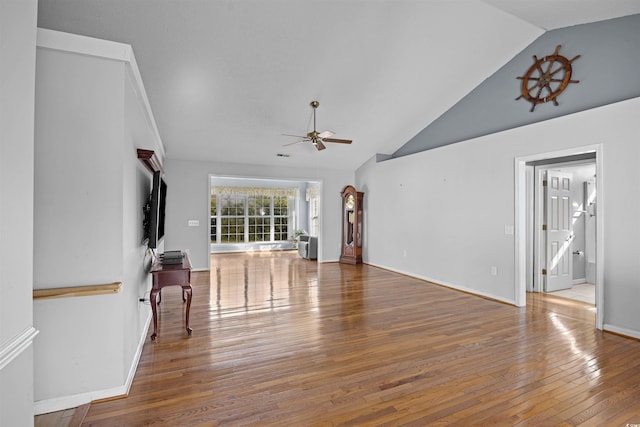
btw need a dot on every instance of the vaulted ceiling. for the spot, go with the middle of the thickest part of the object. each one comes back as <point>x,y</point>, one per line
<point>227,78</point>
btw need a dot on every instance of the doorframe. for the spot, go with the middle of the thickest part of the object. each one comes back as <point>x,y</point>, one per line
<point>521,229</point>
<point>537,239</point>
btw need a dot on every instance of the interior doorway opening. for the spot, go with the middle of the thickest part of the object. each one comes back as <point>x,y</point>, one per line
<point>535,258</point>
<point>564,204</point>
<point>261,214</point>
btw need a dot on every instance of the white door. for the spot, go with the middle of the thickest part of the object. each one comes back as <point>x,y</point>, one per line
<point>590,230</point>
<point>559,225</point>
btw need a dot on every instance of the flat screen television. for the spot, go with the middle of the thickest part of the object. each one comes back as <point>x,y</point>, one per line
<point>154,227</point>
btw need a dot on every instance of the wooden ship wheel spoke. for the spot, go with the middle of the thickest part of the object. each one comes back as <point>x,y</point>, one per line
<point>544,77</point>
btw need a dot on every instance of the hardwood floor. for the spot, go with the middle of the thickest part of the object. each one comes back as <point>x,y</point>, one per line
<point>279,340</point>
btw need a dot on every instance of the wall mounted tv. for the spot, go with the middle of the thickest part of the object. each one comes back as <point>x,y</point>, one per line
<point>155,212</point>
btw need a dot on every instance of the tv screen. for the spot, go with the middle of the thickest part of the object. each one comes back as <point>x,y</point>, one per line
<point>157,207</point>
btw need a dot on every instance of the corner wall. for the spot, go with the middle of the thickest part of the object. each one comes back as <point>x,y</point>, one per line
<point>17,86</point>
<point>91,115</point>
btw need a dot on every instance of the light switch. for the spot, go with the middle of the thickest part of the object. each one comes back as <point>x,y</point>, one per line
<point>508,230</point>
<point>194,223</point>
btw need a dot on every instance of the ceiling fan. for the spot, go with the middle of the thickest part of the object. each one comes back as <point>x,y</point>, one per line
<point>317,138</point>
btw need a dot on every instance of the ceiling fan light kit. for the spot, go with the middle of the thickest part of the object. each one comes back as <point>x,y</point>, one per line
<point>318,138</point>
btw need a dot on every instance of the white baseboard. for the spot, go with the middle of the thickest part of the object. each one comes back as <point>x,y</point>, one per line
<point>622,331</point>
<point>75,400</point>
<point>450,285</point>
<point>611,328</point>
<point>136,356</point>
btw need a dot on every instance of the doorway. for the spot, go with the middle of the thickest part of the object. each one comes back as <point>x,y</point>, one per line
<point>529,215</point>
<point>564,227</point>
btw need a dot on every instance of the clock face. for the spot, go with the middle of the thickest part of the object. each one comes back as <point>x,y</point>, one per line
<point>351,202</point>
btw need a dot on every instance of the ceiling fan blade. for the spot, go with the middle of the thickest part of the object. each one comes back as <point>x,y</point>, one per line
<point>319,145</point>
<point>296,136</point>
<point>294,143</point>
<point>326,134</point>
<point>340,141</point>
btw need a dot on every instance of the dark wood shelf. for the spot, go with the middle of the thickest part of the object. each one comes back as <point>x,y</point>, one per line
<point>150,160</point>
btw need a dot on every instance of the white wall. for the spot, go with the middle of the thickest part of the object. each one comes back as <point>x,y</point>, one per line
<point>17,83</point>
<point>188,198</point>
<point>91,115</point>
<point>78,174</point>
<point>78,218</point>
<point>136,186</point>
<point>447,208</point>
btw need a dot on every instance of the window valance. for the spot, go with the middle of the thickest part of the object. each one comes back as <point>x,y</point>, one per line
<point>256,191</point>
<point>312,193</point>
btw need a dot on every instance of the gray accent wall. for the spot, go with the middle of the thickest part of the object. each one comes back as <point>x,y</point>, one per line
<point>607,71</point>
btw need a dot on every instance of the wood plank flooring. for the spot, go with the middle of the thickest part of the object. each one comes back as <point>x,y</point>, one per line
<point>283,341</point>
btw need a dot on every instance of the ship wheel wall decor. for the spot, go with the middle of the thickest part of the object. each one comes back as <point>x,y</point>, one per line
<point>547,78</point>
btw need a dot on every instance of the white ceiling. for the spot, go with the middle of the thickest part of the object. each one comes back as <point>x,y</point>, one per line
<point>226,78</point>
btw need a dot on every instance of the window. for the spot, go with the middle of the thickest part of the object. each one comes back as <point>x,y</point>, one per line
<point>246,217</point>
<point>232,209</point>
<point>214,219</point>
<point>313,197</point>
<point>280,218</point>
<point>259,218</point>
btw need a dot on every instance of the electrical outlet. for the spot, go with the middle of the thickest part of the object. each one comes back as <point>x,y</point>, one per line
<point>194,223</point>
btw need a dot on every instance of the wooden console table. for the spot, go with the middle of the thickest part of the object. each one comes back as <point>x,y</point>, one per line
<point>171,275</point>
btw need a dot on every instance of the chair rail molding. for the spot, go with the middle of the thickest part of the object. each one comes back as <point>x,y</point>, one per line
<point>14,347</point>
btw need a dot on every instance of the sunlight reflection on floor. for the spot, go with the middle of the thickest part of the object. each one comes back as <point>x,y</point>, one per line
<point>269,281</point>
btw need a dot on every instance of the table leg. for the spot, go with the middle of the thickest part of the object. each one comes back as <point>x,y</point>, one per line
<point>153,297</point>
<point>187,290</point>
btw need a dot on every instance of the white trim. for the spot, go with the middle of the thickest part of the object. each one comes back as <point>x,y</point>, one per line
<point>622,331</point>
<point>138,353</point>
<point>75,400</point>
<point>16,346</point>
<point>448,285</point>
<point>134,73</point>
<point>105,49</point>
<point>520,231</point>
<point>66,42</point>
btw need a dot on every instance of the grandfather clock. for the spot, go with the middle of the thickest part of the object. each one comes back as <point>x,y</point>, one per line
<point>352,215</point>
